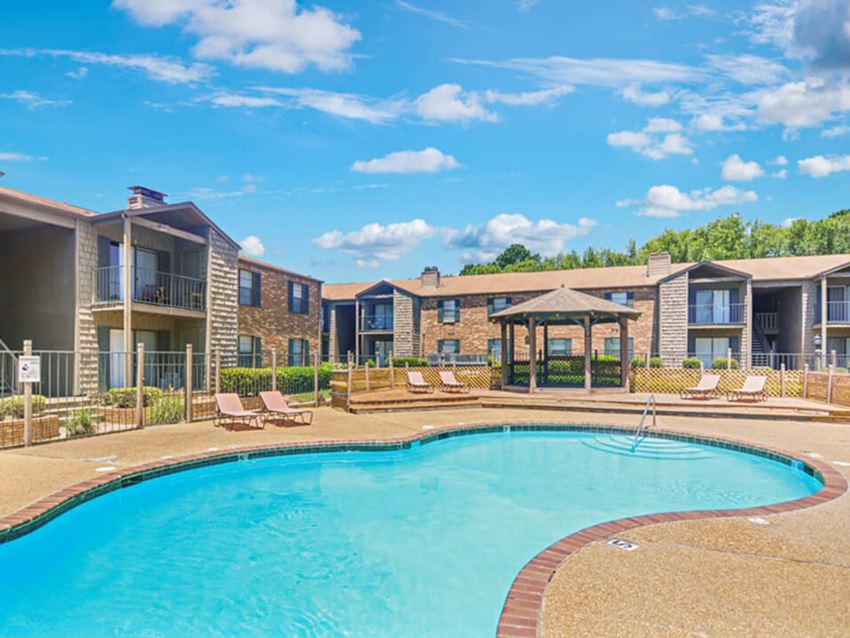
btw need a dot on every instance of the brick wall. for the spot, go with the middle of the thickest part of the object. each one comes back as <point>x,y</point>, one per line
<point>474,329</point>
<point>272,321</point>
<point>223,297</point>
<point>673,320</point>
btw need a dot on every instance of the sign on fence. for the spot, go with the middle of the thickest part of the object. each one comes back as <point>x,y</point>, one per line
<point>29,369</point>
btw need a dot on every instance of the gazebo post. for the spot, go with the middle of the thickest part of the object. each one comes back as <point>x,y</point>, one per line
<point>532,355</point>
<point>545,351</point>
<point>511,351</point>
<point>504,333</point>
<point>624,352</point>
<point>588,345</point>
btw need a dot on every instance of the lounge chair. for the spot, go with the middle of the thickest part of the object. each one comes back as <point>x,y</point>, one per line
<point>450,384</point>
<point>228,408</point>
<point>707,388</point>
<point>416,383</point>
<point>752,389</point>
<point>276,403</point>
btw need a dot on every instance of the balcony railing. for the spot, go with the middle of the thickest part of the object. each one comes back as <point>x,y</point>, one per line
<point>768,321</point>
<point>151,287</point>
<point>377,323</point>
<point>836,312</point>
<point>716,314</point>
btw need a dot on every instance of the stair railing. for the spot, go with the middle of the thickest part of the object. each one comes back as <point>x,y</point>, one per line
<point>642,427</point>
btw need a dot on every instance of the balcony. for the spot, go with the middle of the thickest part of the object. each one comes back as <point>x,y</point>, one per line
<point>768,321</point>
<point>377,323</point>
<point>716,314</point>
<point>152,287</point>
<point>836,312</point>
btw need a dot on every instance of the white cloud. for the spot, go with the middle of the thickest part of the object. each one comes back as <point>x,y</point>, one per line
<point>449,103</point>
<point>18,157</point>
<point>804,104</point>
<point>253,246</point>
<point>748,69</point>
<point>633,93</point>
<point>736,169</point>
<point>668,201</point>
<point>658,139</point>
<point>270,34</point>
<point>528,98</point>
<point>32,100</point>
<point>432,14</point>
<point>789,221</point>
<point>155,67</point>
<point>526,5</point>
<point>78,74</point>
<point>713,122</point>
<point>835,131</point>
<point>248,101</point>
<point>375,242</point>
<point>781,160</point>
<point>820,166</point>
<point>545,236</point>
<point>668,14</point>
<point>429,160</point>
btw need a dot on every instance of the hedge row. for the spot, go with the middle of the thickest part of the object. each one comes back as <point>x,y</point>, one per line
<point>250,380</point>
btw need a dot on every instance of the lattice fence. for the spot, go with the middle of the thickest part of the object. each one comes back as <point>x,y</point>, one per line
<point>674,380</point>
<point>820,388</point>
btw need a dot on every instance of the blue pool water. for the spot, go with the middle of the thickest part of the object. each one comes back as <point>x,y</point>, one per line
<point>419,542</point>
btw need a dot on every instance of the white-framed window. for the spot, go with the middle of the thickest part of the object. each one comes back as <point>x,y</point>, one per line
<point>560,347</point>
<point>299,352</point>
<point>622,297</point>
<point>250,351</point>
<point>496,304</point>
<point>494,349</point>
<point>448,310</point>
<point>612,347</point>
<point>249,288</point>
<point>299,298</point>
<point>448,346</point>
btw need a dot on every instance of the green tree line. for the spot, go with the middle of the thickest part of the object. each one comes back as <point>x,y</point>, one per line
<point>725,238</point>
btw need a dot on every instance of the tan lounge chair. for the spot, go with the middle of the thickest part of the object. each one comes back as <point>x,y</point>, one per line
<point>416,383</point>
<point>450,384</point>
<point>228,408</point>
<point>276,403</point>
<point>707,388</point>
<point>753,389</point>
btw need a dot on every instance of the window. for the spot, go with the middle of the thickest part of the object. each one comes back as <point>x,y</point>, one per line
<point>299,298</point>
<point>494,349</point>
<point>249,288</point>
<point>560,347</point>
<point>624,297</point>
<point>448,310</point>
<point>612,347</point>
<point>715,306</point>
<point>707,349</point>
<point>299,352</point>
<point>495,304</point>
<point>448,346</point>
<point>250,352</point>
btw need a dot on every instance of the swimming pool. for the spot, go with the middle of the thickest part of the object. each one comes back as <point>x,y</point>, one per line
<point>424,541</point>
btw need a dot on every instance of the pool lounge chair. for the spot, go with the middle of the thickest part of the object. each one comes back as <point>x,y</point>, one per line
<point>449,383</point>
<point>228,408</point>
<point>707,388</point>
<point>276,403</point>
<point>753,389</point>
<point>416,383</point>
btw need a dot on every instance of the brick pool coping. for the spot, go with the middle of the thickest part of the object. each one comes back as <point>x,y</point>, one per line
<point>523,608</point>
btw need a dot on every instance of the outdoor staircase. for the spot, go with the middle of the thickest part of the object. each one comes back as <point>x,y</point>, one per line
<point>648,447</point>
<point>759,346</point>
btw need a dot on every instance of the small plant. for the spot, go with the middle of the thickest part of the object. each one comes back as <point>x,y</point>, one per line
<point>413,362</point>
<point>81,422</point>
<point>692,363</point>
<point>656,362</point>
<point>638,362</point>
<point>721,363</point>
<point>126,397</point>
<point>166,409</point>
<point>14,406</point>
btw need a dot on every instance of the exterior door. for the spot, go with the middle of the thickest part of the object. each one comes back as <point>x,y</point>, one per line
<point>146,263</point>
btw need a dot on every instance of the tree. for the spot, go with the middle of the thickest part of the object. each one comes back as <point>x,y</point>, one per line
<point>514,254</point>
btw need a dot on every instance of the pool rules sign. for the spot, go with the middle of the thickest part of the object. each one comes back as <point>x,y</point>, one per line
<point>29,369</point>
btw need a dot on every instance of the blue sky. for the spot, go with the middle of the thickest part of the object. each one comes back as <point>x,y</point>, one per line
<point>358,140</point>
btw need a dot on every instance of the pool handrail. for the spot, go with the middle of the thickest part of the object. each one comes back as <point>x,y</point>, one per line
<point>650,402</point>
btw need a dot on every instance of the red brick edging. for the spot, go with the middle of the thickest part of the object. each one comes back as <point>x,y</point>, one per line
<point>522,611</point>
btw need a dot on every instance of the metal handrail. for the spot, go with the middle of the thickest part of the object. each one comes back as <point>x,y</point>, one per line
<point>650,402</point>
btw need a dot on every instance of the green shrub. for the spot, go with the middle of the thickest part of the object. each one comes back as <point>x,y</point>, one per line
<point>721,363</point>
<point>249,381</point>
<point>606,357</point>
<point>126,397</point>
<point>14,406</point>
<point>80,423</point>
<point>413,362</point>
<point>691,364</point>
<point>656,362</point>
<point>638,362</point>
<point>166,409</point>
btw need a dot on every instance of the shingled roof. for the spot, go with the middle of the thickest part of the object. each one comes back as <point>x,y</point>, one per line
<point>565,304</point>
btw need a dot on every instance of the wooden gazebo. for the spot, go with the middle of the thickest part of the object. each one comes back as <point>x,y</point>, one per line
<point>560,307</point>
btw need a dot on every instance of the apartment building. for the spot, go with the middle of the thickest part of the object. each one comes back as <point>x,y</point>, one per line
<point>86,288</point>
<point>763,311</point>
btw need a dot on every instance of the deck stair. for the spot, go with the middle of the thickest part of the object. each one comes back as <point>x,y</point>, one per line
<point>649,448</point>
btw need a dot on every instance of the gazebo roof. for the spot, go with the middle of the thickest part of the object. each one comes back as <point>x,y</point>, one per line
<point>567,305</point>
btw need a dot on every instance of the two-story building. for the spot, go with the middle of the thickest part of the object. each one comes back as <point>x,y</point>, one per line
<point>761,311</point>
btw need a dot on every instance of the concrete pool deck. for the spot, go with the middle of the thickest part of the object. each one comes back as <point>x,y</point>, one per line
<point>704,577</point>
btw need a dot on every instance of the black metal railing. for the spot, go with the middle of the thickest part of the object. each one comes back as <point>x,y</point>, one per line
<point>376,323</point>
<point>716,314</point>
<point>151,287</point>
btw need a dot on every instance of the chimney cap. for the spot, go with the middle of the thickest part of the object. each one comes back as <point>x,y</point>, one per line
<point>147,192</point>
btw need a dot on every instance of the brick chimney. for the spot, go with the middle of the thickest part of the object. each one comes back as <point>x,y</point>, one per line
<point>658,265</point>
<point>430,277</point>
<point>144,198</point>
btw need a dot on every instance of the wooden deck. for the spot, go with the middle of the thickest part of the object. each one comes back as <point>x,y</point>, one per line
<point>610,401</point>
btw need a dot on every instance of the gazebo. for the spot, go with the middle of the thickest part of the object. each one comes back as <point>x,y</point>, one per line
<point>562,306</point>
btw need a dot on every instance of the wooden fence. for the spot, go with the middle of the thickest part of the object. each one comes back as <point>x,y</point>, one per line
<point>829,387</point>
<point>673,380</point>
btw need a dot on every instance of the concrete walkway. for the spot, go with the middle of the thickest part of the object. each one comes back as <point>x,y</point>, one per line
<point>711,577</point>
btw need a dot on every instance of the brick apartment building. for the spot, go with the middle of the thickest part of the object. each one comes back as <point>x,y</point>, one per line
<point>765,311</point>
<point>87,287</point>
